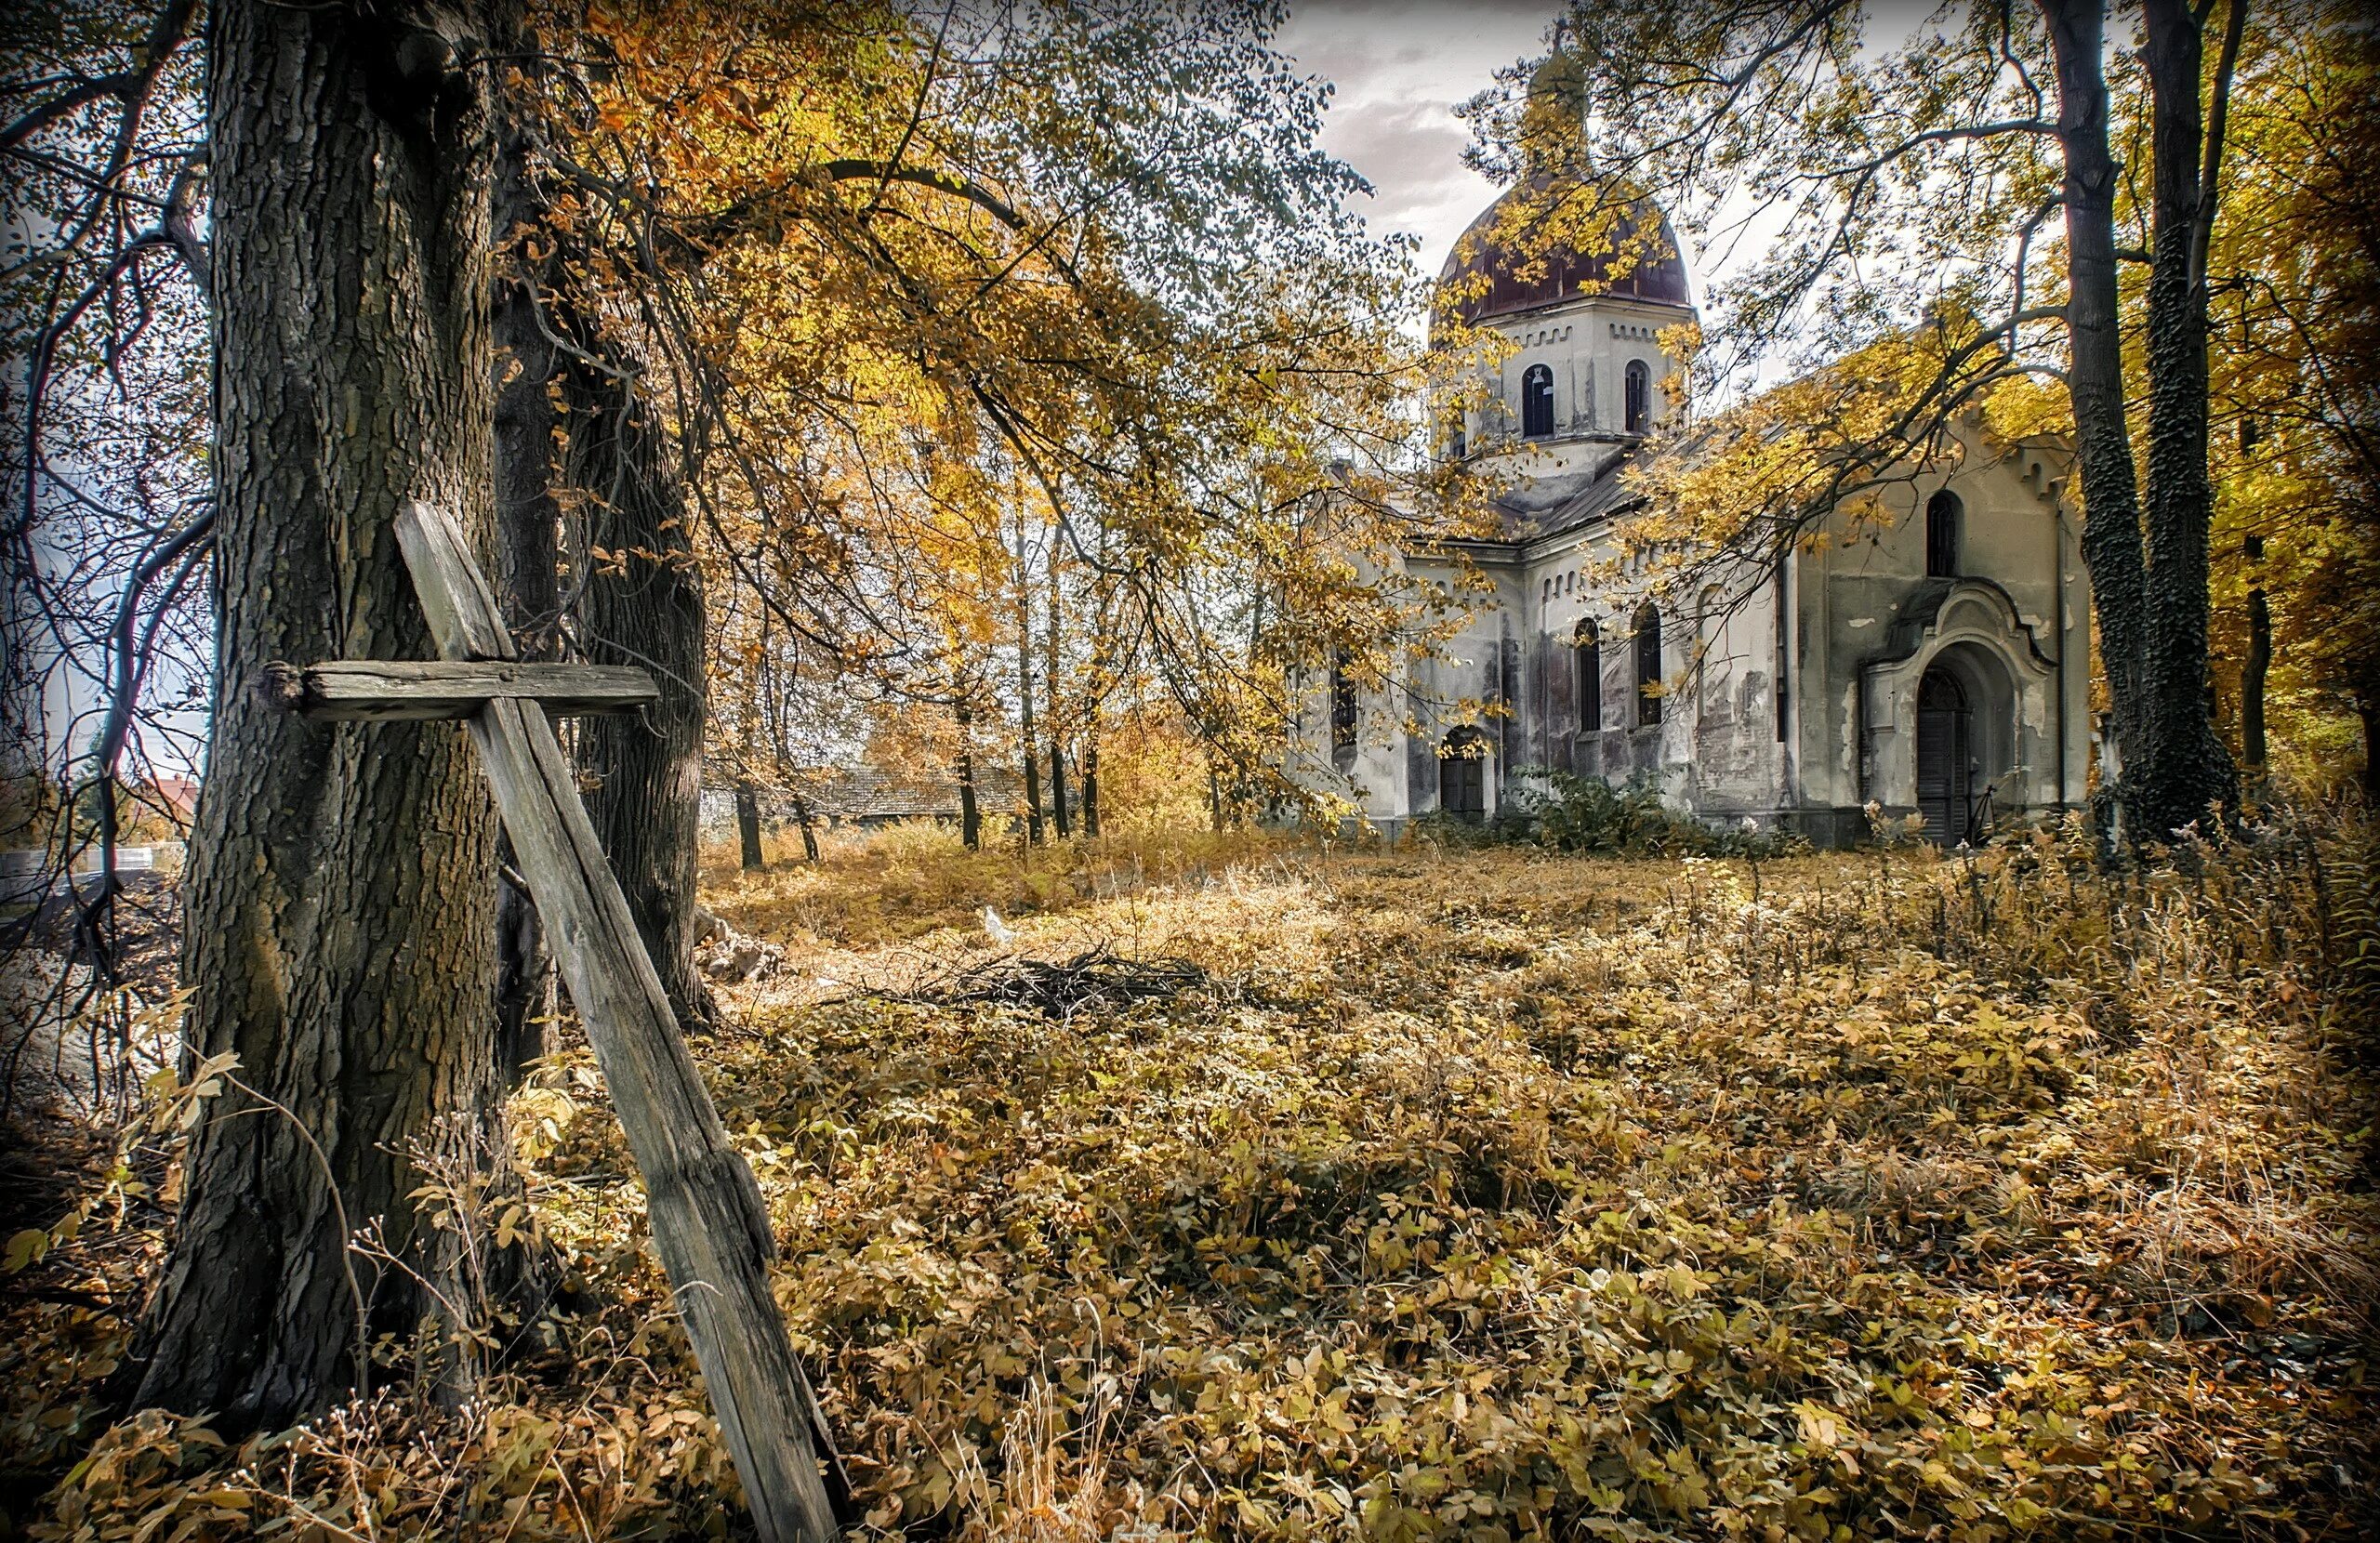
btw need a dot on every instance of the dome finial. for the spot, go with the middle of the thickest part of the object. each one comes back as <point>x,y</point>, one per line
<point>1554,115</point>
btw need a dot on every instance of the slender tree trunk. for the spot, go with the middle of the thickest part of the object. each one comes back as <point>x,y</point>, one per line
<point>2252,673</point>
<point>645,608</point>
<point>341,891</point>
<point>2111,545</point>
<point>2193,769</point>
<point>747,826</point>
<point>1028,748</point>
<point>970,819</point>
<point>2368,709</point>
<point>809,831</point>
<point>1057,739</point>
<point>1094,696</point>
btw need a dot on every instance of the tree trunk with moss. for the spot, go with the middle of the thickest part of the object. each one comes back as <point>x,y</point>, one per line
<point>2193,769</point>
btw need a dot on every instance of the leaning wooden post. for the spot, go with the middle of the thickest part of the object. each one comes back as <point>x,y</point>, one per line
<point>709,1224</point>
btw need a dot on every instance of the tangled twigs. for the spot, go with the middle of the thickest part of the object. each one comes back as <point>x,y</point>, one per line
<point>1055,988</point>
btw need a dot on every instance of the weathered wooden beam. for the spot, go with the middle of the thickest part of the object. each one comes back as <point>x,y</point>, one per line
<point>391,690</point>
<point>709,1224</point>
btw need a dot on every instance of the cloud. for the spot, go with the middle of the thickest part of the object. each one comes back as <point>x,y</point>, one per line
<point>1398,71</point>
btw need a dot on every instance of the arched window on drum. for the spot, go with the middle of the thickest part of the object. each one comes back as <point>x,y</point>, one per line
<point>1537,402</point>
<point>1639,397</point>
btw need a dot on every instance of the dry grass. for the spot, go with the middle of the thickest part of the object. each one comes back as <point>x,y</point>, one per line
<point>1486,1196</point>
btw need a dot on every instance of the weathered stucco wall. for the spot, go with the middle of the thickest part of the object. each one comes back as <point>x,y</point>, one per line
<point>1849,628</point>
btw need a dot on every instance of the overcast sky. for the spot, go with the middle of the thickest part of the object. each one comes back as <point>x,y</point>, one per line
<point>1400,66</point>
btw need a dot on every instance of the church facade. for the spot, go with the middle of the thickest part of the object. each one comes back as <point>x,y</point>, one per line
<point>1936,665</point>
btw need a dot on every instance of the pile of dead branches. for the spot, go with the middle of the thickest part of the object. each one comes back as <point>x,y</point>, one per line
<point>1055,988</point>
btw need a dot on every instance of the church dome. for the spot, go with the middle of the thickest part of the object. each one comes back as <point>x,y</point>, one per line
<point>1522,275</point>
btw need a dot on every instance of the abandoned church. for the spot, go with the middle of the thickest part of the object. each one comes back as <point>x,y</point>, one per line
<point>1935,664</point>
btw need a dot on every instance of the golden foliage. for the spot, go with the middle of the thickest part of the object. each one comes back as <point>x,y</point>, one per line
<point>1494,1197</point>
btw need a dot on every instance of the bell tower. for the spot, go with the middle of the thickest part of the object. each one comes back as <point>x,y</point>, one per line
<point>1562,286</point>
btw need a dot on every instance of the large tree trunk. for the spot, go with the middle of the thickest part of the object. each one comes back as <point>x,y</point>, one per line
<point>528,523</point>
<point>2111,546</point>
<point>340,896</point>
<point>2192,769</point>
<point>644,607</point>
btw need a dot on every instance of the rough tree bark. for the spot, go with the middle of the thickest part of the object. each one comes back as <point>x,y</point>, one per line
<point>747,826</point>
<point>970,819</point>
<point>528,523</point>
<point>2253,751</point>
<point>2111,546</point>
<point>2193,769</point>
<point>1027,745</point>
<point>341,894</point>
<point>643,606</point>
<point>1059,814</point>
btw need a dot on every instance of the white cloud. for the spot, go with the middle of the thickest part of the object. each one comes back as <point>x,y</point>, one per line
<point>1399,71</point>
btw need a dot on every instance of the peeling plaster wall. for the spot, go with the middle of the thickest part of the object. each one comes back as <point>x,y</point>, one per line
<point>1856,636</point>
<point>1859,592</point>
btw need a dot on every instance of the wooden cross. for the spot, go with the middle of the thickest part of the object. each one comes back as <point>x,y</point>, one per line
<point>709,1224</point>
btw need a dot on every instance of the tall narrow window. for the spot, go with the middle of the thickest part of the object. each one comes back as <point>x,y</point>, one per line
<point>1943,518</point>
<point>1537,402</point>
<point>1779,590</point>
<point>1649,664</point>
<point>1640,397</point>
<point>1343,709</point>
<point>1588,640</point>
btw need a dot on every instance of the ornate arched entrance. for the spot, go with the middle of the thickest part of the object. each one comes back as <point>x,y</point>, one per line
<point>1463,774</point>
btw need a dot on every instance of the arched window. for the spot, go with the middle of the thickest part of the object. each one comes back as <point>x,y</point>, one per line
<point>1649,664</point>
<point>1537,402</point>
<point>1640,397</point>
<point>1588,640</point>
<point>1943,518</point>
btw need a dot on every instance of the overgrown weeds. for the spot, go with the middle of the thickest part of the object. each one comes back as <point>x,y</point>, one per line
<point>1997,1195</point>
<point>1591,817</point>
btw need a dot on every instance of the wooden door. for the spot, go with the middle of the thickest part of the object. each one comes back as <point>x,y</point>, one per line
<point>1462,777</point>
<point>1945,728</point>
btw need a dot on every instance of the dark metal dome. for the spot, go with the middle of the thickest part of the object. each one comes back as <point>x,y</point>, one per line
<point>1526,278</point>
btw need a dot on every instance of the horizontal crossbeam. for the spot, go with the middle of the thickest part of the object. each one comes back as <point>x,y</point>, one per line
<point>391,690</point>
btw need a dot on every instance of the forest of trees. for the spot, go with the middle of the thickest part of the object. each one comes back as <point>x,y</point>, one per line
<point>992,386</point>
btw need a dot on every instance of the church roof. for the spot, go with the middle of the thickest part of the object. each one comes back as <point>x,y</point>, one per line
<point>1504,261</point>
<point>1535,508</point>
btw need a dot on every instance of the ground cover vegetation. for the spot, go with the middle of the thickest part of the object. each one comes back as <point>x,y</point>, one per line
<point>1490,1195</point>
<point>959,387</point>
